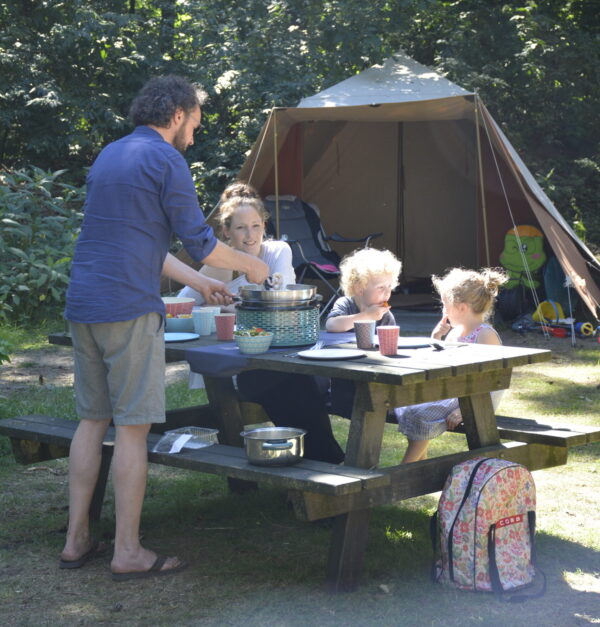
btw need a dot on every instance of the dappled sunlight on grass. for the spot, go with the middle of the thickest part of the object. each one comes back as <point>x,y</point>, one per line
<point>396,536</point>
<point>584,582</point>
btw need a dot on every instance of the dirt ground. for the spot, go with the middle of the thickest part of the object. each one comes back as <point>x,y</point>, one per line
<point>53,365</point>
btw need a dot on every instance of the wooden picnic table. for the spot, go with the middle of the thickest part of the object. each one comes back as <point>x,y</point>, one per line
<point>469,372</point>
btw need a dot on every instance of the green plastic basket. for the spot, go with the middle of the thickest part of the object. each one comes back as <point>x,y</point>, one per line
<point>297,327</point>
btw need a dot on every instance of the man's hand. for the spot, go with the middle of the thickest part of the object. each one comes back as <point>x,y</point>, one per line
<point>224,256</point>
<point>213,291</point>
<point>257,270</point>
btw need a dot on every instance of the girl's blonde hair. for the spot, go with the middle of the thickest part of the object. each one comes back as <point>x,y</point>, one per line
<point>360,266</point>
<point>236,195</point>
<point>476,289</point>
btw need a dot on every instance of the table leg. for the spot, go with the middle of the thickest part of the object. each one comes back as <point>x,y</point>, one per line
<point>479,419</point>
<point>222,398</point>
<point>350,531</point>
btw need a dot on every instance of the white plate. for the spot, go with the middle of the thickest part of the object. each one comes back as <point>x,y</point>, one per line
<point>411,342</point>
<point>414,342</point>
<point>331,353</point>
<point>180,337</point>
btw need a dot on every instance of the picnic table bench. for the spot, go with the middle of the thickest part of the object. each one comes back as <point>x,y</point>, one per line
<point>347,492</point>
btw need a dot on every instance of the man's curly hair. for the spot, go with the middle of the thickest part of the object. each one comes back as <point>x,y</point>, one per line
<point>160,97</point>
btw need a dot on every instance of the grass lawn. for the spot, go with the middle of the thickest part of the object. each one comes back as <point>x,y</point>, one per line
<point>252,563</point>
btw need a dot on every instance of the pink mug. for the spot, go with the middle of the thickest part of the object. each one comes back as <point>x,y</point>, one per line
<point>225,323</point>
<point>388,339</point>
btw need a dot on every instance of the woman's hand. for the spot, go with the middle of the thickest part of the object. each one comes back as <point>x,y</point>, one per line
<point>441,329</point>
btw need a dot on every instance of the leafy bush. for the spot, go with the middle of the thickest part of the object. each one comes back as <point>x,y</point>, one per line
<point>5,349</point>
<point>40,220</point>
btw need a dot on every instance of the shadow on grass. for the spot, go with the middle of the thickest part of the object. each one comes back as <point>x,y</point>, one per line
<point>559,395</point>
<point>253,546</point>
<point>252,563</point>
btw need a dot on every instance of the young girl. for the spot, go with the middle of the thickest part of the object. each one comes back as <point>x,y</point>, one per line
<point>467,298</point>
<point>367,279</point>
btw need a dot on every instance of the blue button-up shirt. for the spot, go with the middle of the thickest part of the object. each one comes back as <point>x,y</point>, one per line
<point>139,191</point>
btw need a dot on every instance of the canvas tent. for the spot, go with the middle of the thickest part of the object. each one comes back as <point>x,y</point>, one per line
<point>400,149</point>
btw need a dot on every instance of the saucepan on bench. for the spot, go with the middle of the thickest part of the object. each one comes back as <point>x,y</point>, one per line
<point>274,446</point>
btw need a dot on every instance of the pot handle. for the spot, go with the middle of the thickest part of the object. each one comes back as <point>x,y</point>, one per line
<point>277,446</point>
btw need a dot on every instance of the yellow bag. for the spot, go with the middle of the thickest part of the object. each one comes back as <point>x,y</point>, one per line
<point>548,311</point>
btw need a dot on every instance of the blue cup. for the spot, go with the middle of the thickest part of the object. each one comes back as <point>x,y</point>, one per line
<point>203,321</point>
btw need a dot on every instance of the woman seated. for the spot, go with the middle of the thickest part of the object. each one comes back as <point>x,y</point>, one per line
<point>289,400</point>
<point>242,218</point>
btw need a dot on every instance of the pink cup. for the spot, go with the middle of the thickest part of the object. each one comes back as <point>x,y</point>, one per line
<point>225,323</point>
<point>388,339</point>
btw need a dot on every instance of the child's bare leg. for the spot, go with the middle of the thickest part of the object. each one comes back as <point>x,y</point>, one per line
<point>416,451</point>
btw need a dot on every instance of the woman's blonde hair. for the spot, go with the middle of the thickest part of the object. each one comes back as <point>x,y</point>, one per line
<point>236,195</point>
<point>478,289</point>
<point>238,188</point>
<point>360,266</point>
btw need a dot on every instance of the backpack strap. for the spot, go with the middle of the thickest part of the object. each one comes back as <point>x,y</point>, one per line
<point>436,572</point>
<point>494,573</point>
<point>451,532</point>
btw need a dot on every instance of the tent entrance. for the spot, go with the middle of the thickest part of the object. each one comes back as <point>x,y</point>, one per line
<point>416,182</point>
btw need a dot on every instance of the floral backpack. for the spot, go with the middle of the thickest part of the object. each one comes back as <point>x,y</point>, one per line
<point>484,529</point>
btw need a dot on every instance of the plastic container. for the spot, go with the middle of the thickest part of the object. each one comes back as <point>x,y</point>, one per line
<point>201,437</point>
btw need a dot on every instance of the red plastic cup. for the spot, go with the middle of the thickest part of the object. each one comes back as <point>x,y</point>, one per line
<point>225,323</point>
<point>388,339</point>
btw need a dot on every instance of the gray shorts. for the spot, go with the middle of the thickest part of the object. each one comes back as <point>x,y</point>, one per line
<point>120,370</point>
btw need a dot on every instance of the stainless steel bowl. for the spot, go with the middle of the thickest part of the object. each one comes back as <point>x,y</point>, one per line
<point>274,446</point>
<point>293,294</point>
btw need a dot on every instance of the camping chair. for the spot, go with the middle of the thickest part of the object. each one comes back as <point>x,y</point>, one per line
<point>313,258</point>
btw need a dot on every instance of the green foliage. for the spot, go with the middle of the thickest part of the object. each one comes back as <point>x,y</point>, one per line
<point>40,218</point>
<point>5,350</point>
<point>69,70</point>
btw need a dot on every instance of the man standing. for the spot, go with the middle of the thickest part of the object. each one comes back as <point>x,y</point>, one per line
<point>139,191</point>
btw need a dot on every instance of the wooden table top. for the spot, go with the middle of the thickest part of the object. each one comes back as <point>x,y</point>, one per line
<point>409,366</point>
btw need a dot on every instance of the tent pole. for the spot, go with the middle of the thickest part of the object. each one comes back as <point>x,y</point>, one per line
<point>400,231</point>
<point>480,164</point>
<point>276,173</point>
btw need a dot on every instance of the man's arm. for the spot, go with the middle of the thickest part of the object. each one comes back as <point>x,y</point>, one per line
<point>223,256</point>
<point>212,291</point>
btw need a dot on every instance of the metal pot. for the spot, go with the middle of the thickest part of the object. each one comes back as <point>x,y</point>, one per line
<point>294,294</point>
<point>274,446</point>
